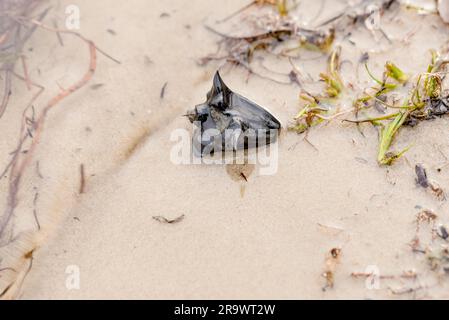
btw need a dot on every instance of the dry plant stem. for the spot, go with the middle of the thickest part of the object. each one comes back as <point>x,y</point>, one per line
<point>406,291</point>
<point>162,219</point>
<point>330,118</point>
<point>58,34</point>
<point>11,39</point>
<point>19,165</point>
<point>406,275</point>
<point>6,91</point>
<point>82,179</point>
<point>76,34</point>
<point>23,135</point>
<point>25,73</point>
<point>36,197</point>
<point>252,72</point>
<point>19,282</point>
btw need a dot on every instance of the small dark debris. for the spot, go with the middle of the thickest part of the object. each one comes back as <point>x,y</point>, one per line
<point>147,60</point>
<point>164,15</point>
<point>110,31</point>
<point>162,219</point>
<point>443,233</point>
<point>424,182</point>
<point>294,78</point>
<point>421,176</point>
<point>335,252</point>
<point>364,58</point>
<point>378,105</point>
<point>96,86</point>
<point>82,185</point>
<point>164,88</point>
<point>361,160</point>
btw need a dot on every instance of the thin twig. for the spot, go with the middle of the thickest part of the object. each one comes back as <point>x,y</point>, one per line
<point>168,221</point>
<point>6,91</point>
<point>36,196</point>
<point>82,179</point>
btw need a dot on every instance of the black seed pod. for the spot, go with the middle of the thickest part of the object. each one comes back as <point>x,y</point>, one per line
<point>228,121</point>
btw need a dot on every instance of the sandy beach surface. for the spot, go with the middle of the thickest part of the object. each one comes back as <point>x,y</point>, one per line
<point>267,238</point>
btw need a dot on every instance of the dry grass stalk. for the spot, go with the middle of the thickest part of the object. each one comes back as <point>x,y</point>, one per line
<point>31,132</point>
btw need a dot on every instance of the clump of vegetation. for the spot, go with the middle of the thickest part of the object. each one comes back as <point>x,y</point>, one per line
<point>426,99</point>
<point>311,115</point>
<point>392,77</point>
<point>275,33</point>
<point>392,71</point>
<point>316,108</point>
<point>239,50</point>
<point>425,102</point>
<point>334,84</point>
<point>387,134</point>
<point>13,37</point>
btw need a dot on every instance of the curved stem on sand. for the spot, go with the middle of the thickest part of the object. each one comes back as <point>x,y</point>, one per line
<point>21,160</point>
<point>19,165</point>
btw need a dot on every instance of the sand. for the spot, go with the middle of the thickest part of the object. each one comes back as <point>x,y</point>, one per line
<point>270,243</point>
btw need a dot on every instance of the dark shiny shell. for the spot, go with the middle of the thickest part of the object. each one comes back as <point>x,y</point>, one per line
<point>233,116</point>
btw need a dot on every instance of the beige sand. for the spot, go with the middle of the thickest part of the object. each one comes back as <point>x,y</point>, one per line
<point>273,242</point>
